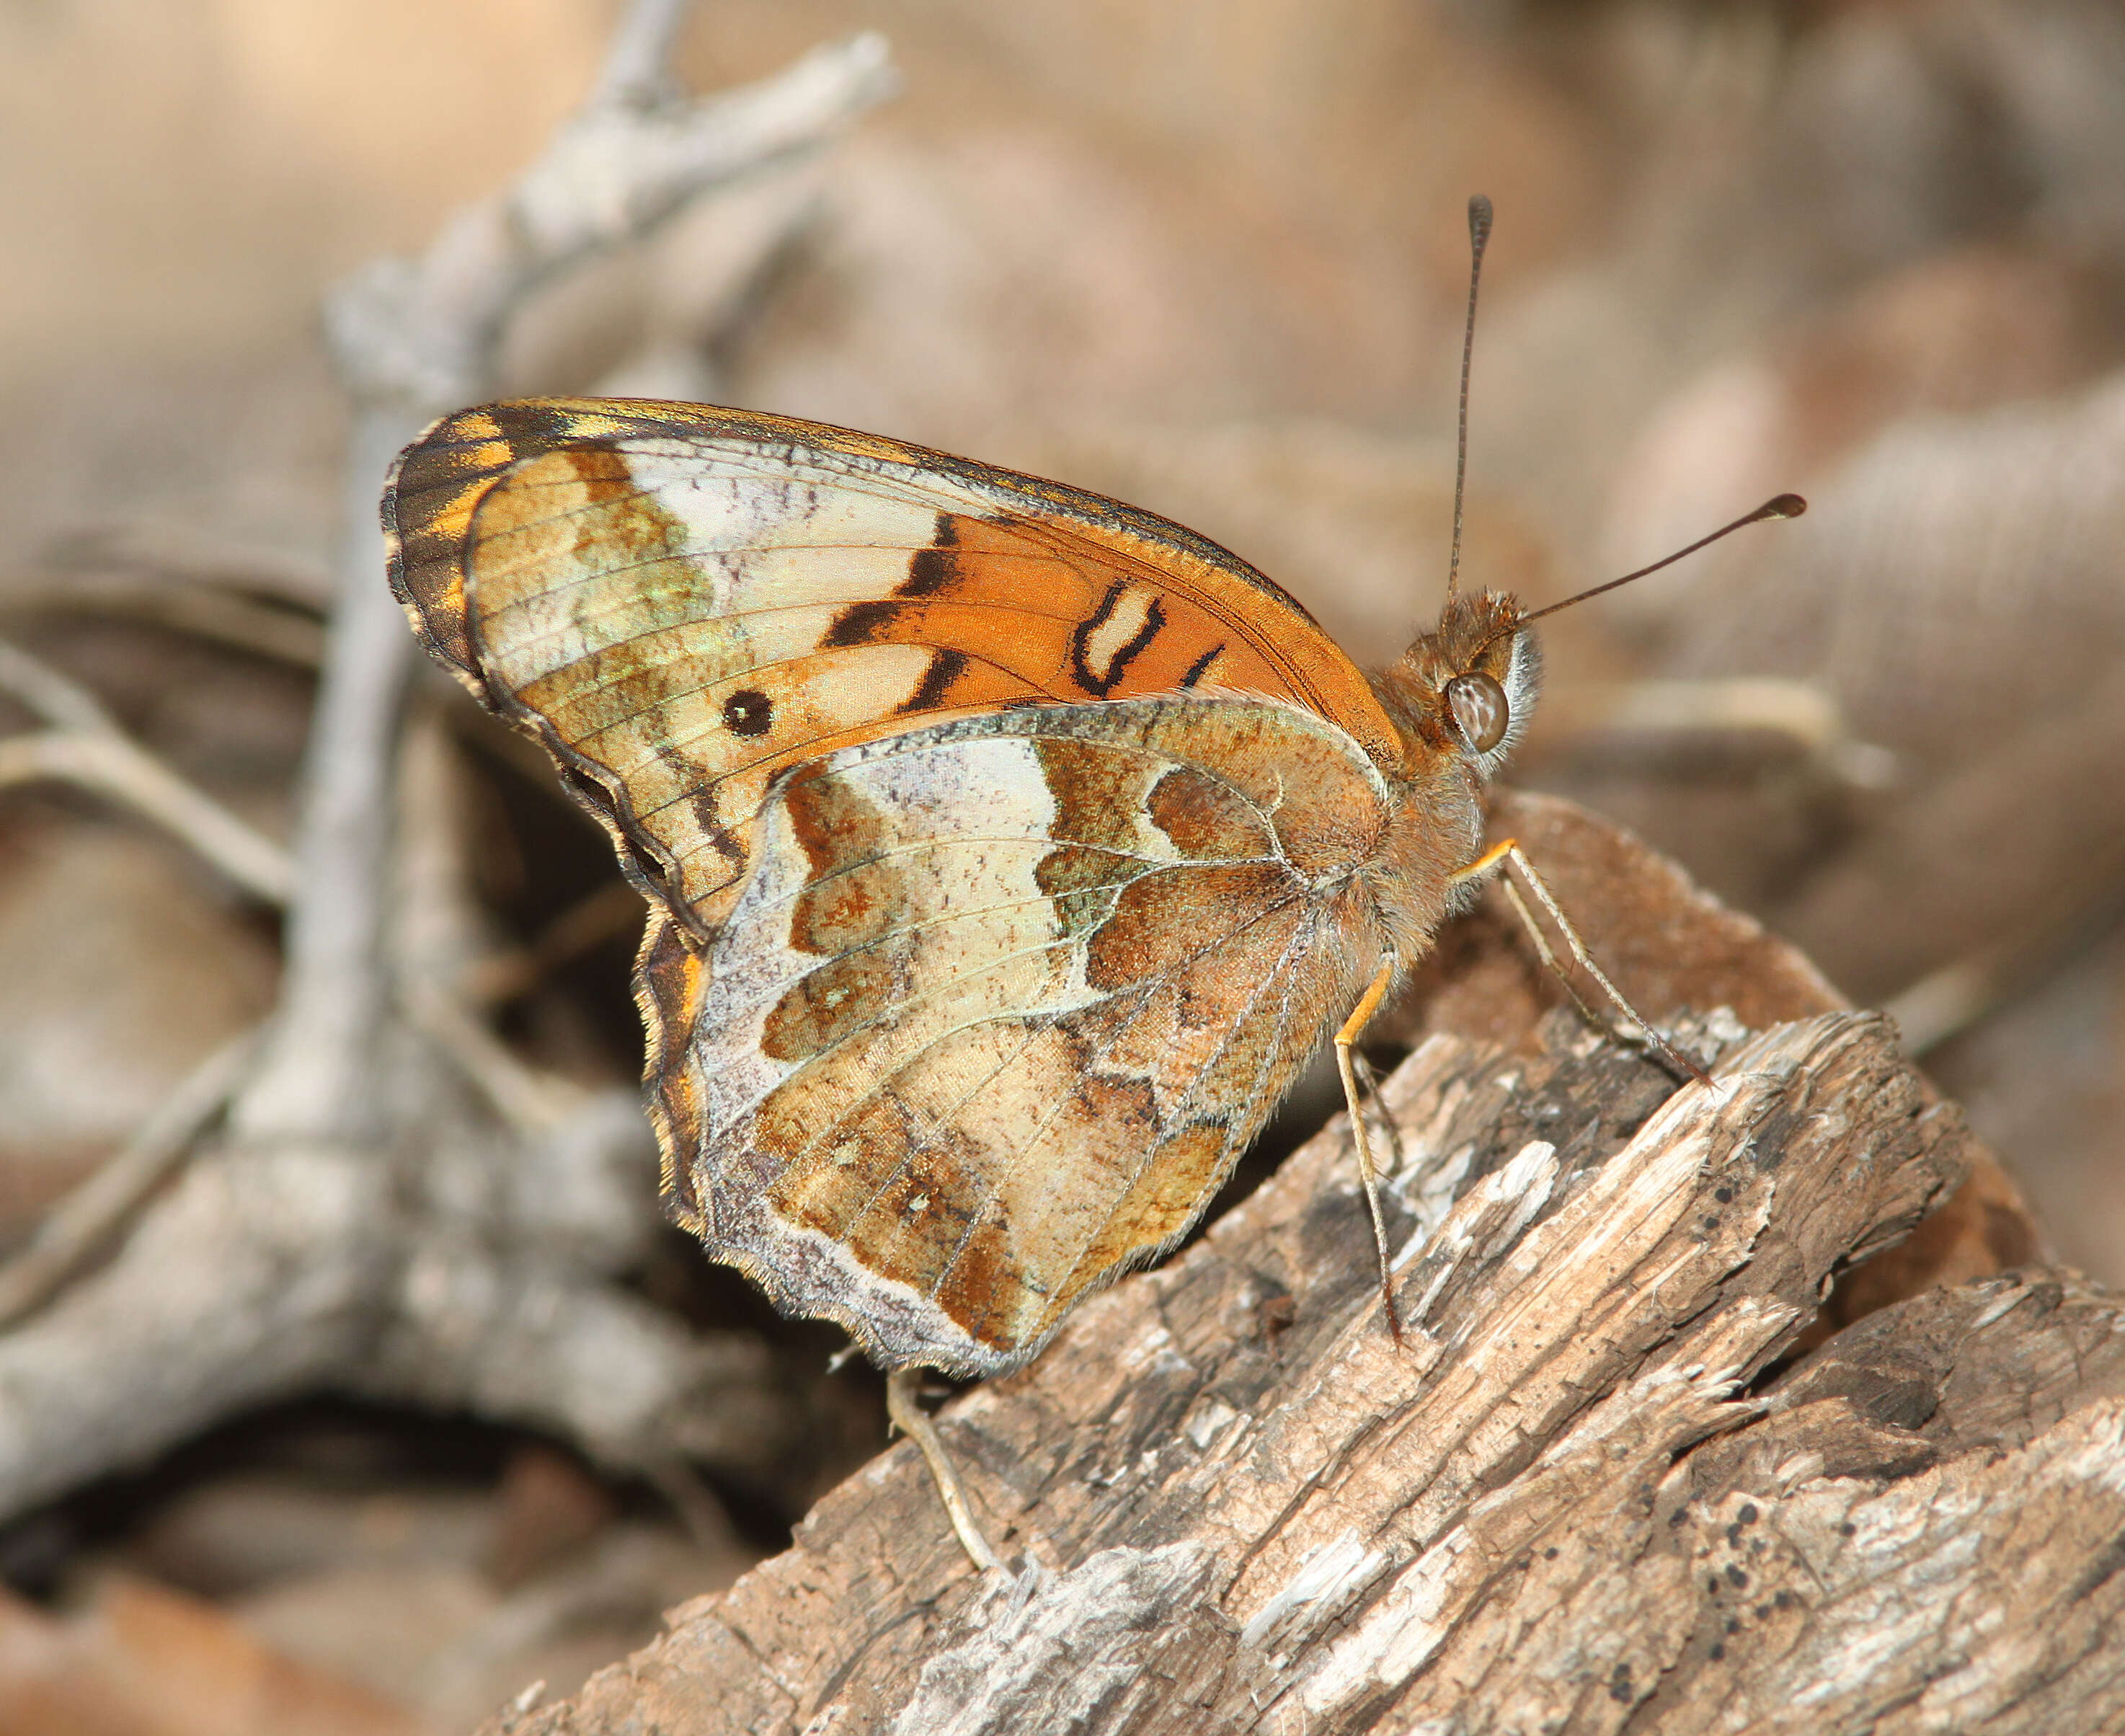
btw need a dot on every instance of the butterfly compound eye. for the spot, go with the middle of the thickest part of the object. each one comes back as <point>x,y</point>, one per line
<point>1480,708</point>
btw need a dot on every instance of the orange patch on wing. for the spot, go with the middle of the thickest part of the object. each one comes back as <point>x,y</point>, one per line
<point>835,823</point>
<point>1162,919</point>
<point>830,1002</point>
<point>1185,1168</point>
<point>1207,819</point>
<point>1098,792</point>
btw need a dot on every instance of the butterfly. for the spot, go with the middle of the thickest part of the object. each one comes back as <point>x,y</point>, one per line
<point>1008,850</point>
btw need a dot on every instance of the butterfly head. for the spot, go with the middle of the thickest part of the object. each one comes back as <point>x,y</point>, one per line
<point>1470,683</point>
<point>1468,686</point>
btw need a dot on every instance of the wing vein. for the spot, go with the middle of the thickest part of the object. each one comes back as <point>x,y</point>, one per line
<point>1141,990</point>
<point>1279,975</point>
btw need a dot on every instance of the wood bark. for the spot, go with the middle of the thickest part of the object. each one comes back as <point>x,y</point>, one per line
<point>1602,1485</point>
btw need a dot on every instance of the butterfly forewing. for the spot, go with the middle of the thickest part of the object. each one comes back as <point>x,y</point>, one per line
<point>683,602</point>
<point>1001,1002</point>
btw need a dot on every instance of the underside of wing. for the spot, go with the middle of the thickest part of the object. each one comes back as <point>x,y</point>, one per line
<point>685,602</point>
<point>1002,1000</point>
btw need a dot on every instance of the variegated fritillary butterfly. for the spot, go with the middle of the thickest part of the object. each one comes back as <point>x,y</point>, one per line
<point>1008,849</point>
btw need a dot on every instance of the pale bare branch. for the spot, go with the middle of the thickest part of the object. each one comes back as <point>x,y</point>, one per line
<point>368,1223</point>
<point>637,66</point>
<point>58,699</point>
<point>417,338</point>
<point>86,1218</point>
<point>187,602</point>
<point>114,767</point>
<point>422,331</point>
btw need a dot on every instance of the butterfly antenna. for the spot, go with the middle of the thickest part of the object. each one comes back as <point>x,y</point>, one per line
<point>1779,506</point>
<point>1479,236</point>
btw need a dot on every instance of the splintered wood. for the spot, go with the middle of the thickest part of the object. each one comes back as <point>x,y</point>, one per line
<point>1595,1489</point>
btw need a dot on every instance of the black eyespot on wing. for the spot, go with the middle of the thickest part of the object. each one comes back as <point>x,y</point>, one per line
<point>748,712</point>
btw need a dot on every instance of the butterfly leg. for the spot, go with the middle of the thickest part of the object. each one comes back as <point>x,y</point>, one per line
<point>1510,852</point>
<point>1550,961</point>
<point>1346,1065</point>
<point>1368,1082</point>
<point>904,1405</point>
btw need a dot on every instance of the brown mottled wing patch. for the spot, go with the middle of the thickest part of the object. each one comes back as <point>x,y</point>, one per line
<point>683,602</point>
<point>1002,1001</point>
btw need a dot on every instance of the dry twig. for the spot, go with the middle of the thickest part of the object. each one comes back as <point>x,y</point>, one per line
<point>85,746</point>
<point>87,1217</point>
<point>367,1223</point>
<point>215,605</point>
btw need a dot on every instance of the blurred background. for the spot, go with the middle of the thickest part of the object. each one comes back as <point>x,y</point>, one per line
<point>1210,257</point>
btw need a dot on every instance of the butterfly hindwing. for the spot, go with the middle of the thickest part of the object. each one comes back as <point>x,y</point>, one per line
<point>683,602</point>
<point>1002,1001</point>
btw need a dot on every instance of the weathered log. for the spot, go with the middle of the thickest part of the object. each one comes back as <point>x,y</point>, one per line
<point>1594,1488</point>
